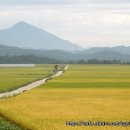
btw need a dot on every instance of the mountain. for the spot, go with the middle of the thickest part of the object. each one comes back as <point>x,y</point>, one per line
<point>63,55</point>
<point>119,49</point>
<point>25,35</point>
<point>110,55</point>
<point>57,54</point>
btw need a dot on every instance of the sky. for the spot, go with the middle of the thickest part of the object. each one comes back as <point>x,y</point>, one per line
<point>88,23</point>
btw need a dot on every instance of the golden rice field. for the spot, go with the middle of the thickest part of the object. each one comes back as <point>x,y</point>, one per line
<point>84,93</point>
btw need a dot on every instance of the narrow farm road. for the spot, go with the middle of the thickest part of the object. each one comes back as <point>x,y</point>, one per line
<point>32,85</point>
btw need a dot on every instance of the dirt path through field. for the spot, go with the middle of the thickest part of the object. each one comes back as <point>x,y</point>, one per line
<point>32,85</point>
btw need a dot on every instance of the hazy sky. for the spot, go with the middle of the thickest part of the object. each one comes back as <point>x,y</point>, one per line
<point>85,22</point>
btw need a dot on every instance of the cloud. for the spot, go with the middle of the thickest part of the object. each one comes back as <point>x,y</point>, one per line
<point>32,2</point>
<point>59,2</point>
<point>95,24</point>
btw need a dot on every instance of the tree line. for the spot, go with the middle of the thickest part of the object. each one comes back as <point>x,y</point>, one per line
<point>31,59</point>
<point>26,59</point>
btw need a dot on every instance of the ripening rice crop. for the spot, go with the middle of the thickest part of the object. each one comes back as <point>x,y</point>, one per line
<point>83,93</point>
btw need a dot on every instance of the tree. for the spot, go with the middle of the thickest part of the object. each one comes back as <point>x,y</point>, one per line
<point>55,68</point>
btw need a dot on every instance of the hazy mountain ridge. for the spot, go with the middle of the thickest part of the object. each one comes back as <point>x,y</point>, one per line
<point>64,55</point>
<point>120,49</point>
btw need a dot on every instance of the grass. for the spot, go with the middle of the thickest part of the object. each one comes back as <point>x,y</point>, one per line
<point>13,78</point>
<point>76,96</point>
<point>6,125</point>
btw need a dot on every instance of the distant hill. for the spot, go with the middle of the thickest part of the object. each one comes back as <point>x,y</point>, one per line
<point>64,55</point>
<point>109,55</point>
<point>25,35</point>
<point>120,49</point>
<point>57,54</point>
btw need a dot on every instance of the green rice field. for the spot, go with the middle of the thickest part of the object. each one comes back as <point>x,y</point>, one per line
<point>94,76</point>
<point>13,78</point>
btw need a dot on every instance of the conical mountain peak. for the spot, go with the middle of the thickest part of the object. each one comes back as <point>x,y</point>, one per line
<point>25,35</point>
<point>22,24</point>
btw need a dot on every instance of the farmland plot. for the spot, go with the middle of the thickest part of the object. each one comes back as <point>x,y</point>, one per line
<point>15,77</point>
<point>84,93</point>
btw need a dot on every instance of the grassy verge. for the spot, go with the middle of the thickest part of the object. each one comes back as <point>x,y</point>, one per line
<point>6,125</point>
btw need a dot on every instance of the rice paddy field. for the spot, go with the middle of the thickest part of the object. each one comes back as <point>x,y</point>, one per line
<point>87,93</point>
<point>14,77</point>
